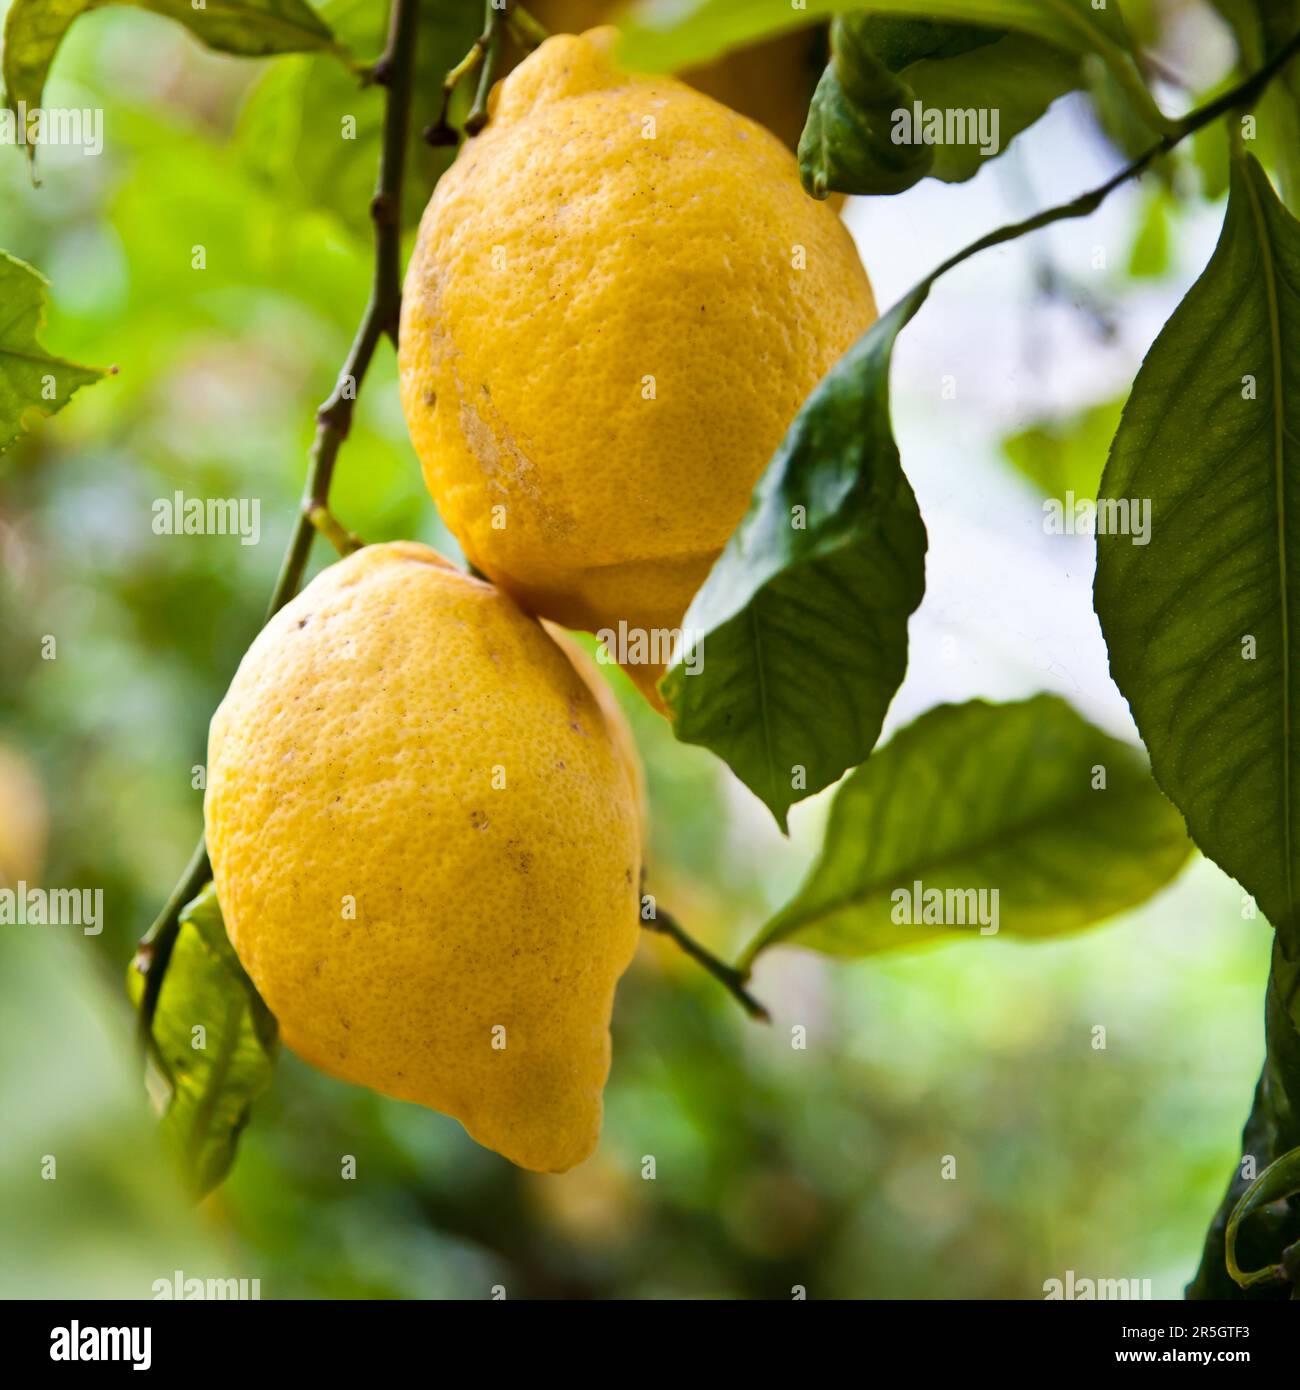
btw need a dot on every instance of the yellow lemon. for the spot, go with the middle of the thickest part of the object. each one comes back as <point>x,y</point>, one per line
<point>770,81</point>
<point>425,843</point>
<point>618,301</point>
<point>23,823</point>
<point>615,720</point>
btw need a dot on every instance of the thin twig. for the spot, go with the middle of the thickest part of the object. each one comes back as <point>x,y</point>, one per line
<point>733,979</point>
<point>477,116</point>
<point>524,28</point>
<point>393,71</point>
<point>485,51</point>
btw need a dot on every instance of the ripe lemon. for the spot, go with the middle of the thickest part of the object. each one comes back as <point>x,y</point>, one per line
<point>23,823</point>
<point>425,843</point>
<point>619,299</point>
<point>770,81</point>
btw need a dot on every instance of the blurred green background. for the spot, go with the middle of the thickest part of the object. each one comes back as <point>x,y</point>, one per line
<point>776,1166</point>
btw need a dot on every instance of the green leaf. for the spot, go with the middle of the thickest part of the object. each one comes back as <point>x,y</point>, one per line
<point>1018,76</point>
<point>1201,622</point>
<point>33,384</point>
<point>848,143</point>
<point>694,31</point>
<point>1261,27</point>
<point>312,133</point>
<point>1149,256</point>
<point>212,1086</point>
<point>989,798</point>
<point>248,28</point>
<point>1272,1131</point>
<point>862,136</point>
<point>1060,456</point>
<point>1280,1180</point>
<point>804,616</point>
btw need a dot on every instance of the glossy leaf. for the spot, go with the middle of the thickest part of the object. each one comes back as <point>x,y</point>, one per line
<point>804,616</point>
<point>32,382</point>
<point>1201,623</point>
<point>1027,799</point>
<point>249,28</point>
<point>213,1085</point>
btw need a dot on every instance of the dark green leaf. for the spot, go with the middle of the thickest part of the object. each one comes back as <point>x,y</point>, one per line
<point>32,383</point>
<point>694,31</point>
<point>249,28</point>
<point>804,616</point>
<point>214,1075</point>
<point>1201,622</point>
<point>899,42</point>
<point>1280,1180</point>
<point>1018,77</point>
<point>1027,800</point>
<point>848,144</point>
<point>1272,1131</point>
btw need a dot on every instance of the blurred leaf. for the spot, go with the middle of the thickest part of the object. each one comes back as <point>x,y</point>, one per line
<point>213,1086</point>
<point>248,28</point>
<point>1061,456</point>
<point>1200,622</point>
<point>985,797</point>
<point>1212,156</point>
<point>1149,257</point>
<point>312,132</point>
<point>804,616</point>
<point>24,365</point>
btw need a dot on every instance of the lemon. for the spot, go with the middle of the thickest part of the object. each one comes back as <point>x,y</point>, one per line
<point>23,822</point>
<point>770,81</point>
<point>426,847</point>
<point>619,298</point>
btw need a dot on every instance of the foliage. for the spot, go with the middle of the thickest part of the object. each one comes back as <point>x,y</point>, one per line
<point>216,1044</point>
<point>832,543</point>
<point>32,382</point>
<point>1047,822</point>
<point>1199,634</point>
<point>806,614</point>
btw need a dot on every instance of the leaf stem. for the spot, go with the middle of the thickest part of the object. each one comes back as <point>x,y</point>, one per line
<point>525,28</point>
<point>1243,95</point>
<point>393,71</point>
<point>730,977</point>
<point>485,51</point>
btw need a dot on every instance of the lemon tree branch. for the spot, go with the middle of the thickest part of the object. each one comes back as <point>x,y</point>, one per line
<point>732,978</point>
<point>393,71</point>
